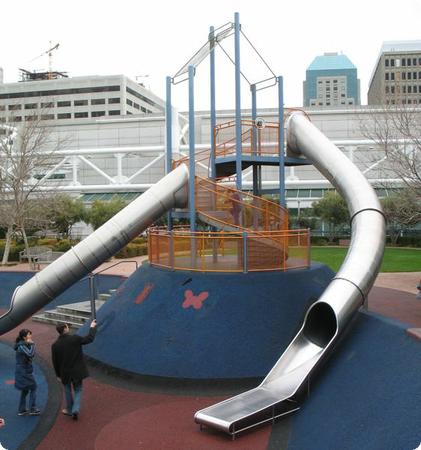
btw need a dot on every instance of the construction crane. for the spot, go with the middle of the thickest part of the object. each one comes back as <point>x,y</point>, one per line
<point>50,58</point>
<point>34,75</point>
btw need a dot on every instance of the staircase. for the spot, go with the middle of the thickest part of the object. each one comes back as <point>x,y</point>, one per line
<point>74,314</point>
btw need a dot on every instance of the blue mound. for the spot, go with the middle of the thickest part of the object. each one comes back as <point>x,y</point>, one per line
<point>9,437</point>
<point>368,395</point>
<point>204,325</point>
<point>76,293</point>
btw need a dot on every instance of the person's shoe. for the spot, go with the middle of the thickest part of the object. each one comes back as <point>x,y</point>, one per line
<point>66,412</point>
<point>75,415</point>
<point>34,412</point>
<point>23,413</point>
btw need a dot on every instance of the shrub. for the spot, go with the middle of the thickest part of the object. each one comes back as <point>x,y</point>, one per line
<point>133,249</point>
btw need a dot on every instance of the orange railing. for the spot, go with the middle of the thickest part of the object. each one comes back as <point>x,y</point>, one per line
<point>228,252</point>
<point>254,141</point>
<point>233,209</point>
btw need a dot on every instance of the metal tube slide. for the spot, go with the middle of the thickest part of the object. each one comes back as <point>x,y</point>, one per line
<point>170,191</point>
<point>327,318</point>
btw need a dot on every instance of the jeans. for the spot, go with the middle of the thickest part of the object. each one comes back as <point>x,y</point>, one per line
<point>32,399</point>
<point>73,400</point>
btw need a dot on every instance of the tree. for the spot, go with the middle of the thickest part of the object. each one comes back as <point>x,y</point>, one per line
<point>397,132</point>
<point>26,152</point>
<point>102,211</point>
<point>402,209</point>
<point>333,210</point>
<point>63,211</point>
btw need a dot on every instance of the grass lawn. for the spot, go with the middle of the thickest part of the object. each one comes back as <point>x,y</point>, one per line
<point>395,259</point>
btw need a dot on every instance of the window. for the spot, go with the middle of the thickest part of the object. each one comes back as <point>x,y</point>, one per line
<point>64,116</point>
<point>409,89</point>
<point>114,100</point>
<point>386,76</point>
<point>79,115</point>
<point>419,75</point>
<point>47,117</point>
<point>414,75</point>
<point>136,105</point>
<point>387,89</point>
<point>404,89</point>
<point>141,97</point>
<point>403,75</point>
<point>98,101</point>
<point>31,117</point>
<point>392,76</point>
<point>392,62</point>
<point>15,107</point>
<point>419,61</point>
<point>403,62</point>
<point>80,102</point>
<point>114,112</point>
<point>414,61</point>
<point>2,107</point>
<point>392,89</point>
<point>129,102</point>
<point>97,113</point>
<point>57,92</point>
<point>47,105</point>
<point>31,106</point>
<point>408,62</point>
<point>409,75</point>
<point>386,62</point>
<point>63,104</point>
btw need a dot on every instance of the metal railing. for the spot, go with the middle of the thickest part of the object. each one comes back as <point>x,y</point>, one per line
<point>229,252</point>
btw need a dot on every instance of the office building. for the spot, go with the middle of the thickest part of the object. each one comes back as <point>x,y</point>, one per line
<point>72,98</point>
<point>396,79</point>
<point>331,80</point>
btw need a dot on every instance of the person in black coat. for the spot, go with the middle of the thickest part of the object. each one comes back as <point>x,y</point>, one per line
<point>70,366</point>
<point>24,373</point>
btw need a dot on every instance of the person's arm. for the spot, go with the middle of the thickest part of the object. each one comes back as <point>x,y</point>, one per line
<point>91,335</point>
<point>55,361</point>
<point>27,349</point>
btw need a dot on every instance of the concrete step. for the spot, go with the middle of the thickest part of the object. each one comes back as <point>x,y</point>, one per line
<point>75,314</point>
<point>42,318</point>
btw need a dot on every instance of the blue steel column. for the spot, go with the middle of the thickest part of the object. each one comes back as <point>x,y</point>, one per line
<point>168,140</point>
<point>212,103</point>
<point>237,100</point>
<point>254,137</point>
<point>281,138</point>
<point>192,175</point>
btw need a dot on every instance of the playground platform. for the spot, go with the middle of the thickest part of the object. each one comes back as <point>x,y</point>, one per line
<point>367,398</point>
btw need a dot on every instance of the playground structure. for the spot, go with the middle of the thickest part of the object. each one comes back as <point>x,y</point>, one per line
<point>246,233</point>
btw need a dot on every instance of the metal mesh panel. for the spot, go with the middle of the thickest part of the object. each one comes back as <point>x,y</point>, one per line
<point>229,252</point>
<point>237,209</point>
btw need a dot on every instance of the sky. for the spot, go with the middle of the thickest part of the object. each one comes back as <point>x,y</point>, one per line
<point>149,40</point>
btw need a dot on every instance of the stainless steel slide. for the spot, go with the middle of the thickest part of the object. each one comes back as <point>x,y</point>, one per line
<point>171,191</point>
<point>327,318</point>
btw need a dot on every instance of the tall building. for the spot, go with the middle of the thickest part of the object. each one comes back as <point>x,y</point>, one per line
<point>331,80</point>
<point>75,98</point>
<point>396,79</point>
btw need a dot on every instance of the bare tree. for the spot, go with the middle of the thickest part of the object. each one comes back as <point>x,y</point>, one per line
<point>27,147</point>
<point>396,130</point>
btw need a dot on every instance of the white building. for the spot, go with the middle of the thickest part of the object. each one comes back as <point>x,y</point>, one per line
<point>69,99</point>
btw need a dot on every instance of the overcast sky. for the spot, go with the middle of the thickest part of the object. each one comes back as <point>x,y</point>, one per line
<point>157,37</point>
